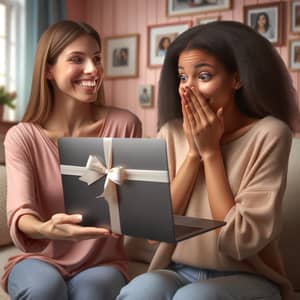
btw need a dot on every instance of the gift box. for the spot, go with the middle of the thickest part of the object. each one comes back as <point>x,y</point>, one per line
<point>117,183</point>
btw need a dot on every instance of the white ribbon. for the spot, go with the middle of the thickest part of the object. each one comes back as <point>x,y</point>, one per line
<point>95,170</point>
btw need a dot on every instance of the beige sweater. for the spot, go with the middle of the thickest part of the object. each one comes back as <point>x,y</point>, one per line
<point>256,166</point>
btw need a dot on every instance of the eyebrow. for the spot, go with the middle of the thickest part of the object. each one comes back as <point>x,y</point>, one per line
<point>80,53</point>
<point>198,66</point>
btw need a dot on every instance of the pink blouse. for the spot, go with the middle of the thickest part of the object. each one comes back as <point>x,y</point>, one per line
<point>34,187</point>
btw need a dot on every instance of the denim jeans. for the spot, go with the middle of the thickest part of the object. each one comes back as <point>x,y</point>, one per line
<point>181,282</point>
<point>35,280</point>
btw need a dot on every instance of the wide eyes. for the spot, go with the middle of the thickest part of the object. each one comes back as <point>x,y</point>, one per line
<point>203,76</point>
<point>182,77</point>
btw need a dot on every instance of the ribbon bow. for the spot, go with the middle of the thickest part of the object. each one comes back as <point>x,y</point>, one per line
<point>95,170</point>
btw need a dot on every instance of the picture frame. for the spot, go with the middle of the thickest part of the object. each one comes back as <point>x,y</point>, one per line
<point>188,7</point>
<point>121,55</point>
<point>205,20</point>
<point>294,55</point>
<point>146,95</point>
<point>294,16</point>
<point>159,38</point>
<point>267,20</point>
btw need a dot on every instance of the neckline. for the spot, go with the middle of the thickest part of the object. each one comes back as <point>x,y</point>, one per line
<point>47,139</point>
<point>241,132</point>
<point>53,144</point>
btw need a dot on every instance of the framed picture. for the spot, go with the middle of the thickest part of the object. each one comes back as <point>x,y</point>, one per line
<point>146,95</point>
<point>121,56</point>
<point>205,20</point>
<point>159,39</point>
<point>185,7</point>
<point>294,55</point>
<point>267,20</point>
<point>295,16</point>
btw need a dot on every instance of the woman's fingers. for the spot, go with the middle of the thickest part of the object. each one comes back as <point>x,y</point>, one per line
<point>92,231</point>
<point>198,114</point>
<point>201,105</point>
<point>66,219</point>
<point>185,111</point>
<point>63,226</point>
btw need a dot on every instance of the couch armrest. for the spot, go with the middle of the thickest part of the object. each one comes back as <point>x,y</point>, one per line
<point>4,233</point>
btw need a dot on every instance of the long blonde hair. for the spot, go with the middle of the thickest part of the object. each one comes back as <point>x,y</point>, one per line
<point>52,42</point>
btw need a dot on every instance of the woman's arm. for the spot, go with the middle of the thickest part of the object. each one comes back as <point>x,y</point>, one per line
<point>59,227</point>
<point>183,183</point>
<point>207,128</point>
<point>218,190</point>
<point>184,180</point>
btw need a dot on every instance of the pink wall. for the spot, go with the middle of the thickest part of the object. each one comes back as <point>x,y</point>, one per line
<point>116,17</point>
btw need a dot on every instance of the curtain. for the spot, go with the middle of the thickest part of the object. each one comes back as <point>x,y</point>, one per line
<point>39,15</point>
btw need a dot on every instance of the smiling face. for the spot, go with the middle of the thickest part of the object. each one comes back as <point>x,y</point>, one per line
<point>203,71</point>
<point>77,72</point>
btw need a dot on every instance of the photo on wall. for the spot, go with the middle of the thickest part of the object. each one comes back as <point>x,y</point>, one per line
<point>146,95</point>
<point>186,7</point>
<point>121,56</point>
<point>160,37</point>
<point>295,16</point>
<point>294,55</point>
<point>266,19</point>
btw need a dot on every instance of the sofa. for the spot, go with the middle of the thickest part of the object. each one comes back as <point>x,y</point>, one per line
<point>140,251</point>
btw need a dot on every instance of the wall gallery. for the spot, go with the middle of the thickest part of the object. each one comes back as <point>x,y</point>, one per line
<point>143,29</point>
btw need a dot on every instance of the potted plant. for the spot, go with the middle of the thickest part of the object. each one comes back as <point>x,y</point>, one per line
<point>6,98</point>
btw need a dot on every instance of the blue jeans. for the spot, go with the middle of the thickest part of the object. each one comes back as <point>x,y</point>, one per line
<point>35,280</point>
<point>181,282</point>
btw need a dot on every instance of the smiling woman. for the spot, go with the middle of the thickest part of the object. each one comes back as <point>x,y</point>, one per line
<point>66,100</point>
<point>77,72</point>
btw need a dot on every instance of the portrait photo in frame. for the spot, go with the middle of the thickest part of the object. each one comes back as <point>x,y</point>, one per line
<point>146,95</point>
<point>295,16</point>
<point>294,55</point>
<point>160,37</point>
<point>187,7</point>
<point>266,19</point>
<point>205,20</point>
<point>121,56</point>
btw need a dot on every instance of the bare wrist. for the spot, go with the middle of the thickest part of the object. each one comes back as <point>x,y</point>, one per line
<point>211,155</point>
<point>194,157</point>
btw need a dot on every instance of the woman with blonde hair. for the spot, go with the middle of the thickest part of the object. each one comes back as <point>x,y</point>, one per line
<point>61,259</point>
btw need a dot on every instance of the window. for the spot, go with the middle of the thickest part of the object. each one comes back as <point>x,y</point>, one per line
<point>3,36</point>
<point>10,25</point>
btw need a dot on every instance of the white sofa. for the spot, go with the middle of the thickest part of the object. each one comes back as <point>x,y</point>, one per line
<point>140,252</point>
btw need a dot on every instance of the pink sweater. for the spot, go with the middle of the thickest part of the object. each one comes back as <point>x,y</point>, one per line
<point>34,187</point>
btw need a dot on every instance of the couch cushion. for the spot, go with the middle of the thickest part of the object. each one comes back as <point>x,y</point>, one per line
<point>4,234</point>
<point>289,240</point>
